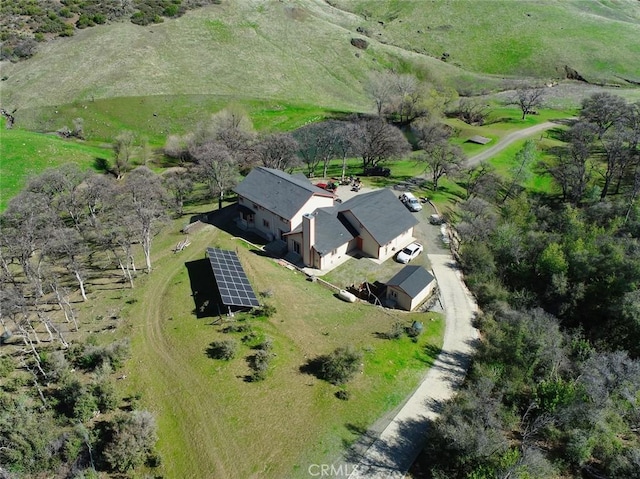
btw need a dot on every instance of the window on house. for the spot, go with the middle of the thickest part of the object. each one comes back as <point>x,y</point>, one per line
<point>265,223</point>
<point>296,247</point>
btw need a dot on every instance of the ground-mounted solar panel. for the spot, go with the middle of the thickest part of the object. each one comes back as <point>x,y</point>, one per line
<point>233,283</point>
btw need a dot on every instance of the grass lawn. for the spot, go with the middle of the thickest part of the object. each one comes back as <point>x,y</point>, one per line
<point>212,423</point>
<point>23,153</point>
<point>155,117</point>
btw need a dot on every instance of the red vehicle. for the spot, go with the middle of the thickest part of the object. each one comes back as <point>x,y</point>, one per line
<point>330,186</point>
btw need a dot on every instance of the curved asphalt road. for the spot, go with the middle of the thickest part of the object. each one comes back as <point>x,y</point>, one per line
<point>393,452</point>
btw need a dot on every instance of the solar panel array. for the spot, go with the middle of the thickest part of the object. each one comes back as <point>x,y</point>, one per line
<point>233,283</point>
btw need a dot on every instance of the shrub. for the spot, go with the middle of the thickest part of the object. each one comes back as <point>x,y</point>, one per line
<point>343,394</point>
<point>7,365</point>
<point>84,407</point>
<point>396,331</point>
<point>260,364</point>
<point>75,401</point>
<point>265,311</point>
<point>266,344</point>
<point>340,366</point>
<point>237,328</point>
<point>54,364</point>
<point>224,349</point>
<point>252,336</point>
<point>129,440</point>
<point>105,394</point>
<point>84,21</point>
<point>113,354</point>
<point>415,330</point>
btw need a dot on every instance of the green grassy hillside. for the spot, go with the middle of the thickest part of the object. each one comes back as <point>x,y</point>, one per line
<point>23,153</point>
<point>266,50</point>
<point>291,52</point>
<point>270,55</point>
<point>599,39</point>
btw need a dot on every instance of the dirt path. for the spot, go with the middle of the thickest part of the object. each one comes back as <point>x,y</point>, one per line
<point>399,444</point>
<point>160,365</point>
<point>507,140</point>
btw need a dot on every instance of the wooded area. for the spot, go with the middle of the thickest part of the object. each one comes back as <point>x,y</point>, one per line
<point>555,387</point>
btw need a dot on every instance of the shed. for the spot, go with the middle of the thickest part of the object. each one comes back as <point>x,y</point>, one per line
<point>410,287</point>
<point>480,140</point>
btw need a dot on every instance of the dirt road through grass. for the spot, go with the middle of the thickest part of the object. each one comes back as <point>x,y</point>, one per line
<point>507,140</point>
<point>160,364</point>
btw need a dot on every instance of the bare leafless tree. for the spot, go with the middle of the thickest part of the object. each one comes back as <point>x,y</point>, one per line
<point>143,197</point>
<point>179,183</point>
<point>66,247</point>
<point>376,141</point>
<point>216,167</point>
<point>571,169</point>
<point>473,111</point>
<point>278,151</point>
<point>482,180</point>
<point>528,99</point>
<point>319,144</point>
<point>380,86</point>
<point>441,159</point>
<point>604,110</point>
<point>123,150</point>
<point>62,188</point>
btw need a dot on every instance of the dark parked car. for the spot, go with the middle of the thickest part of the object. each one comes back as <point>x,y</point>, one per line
<point>377,171</point>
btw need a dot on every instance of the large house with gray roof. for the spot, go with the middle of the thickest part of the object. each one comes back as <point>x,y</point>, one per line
<point>317,228</point>
<point>272,202</point>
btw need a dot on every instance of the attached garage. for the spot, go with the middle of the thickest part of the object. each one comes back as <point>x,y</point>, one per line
<point>410,287</point>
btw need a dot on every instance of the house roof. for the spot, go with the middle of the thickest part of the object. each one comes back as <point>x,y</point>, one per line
<point>381,214</point>
<point>277,191</point>
<point>331,233</point>
<point>412,280</point>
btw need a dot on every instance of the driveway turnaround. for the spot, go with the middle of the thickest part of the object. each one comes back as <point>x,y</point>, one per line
<point>394,451</point>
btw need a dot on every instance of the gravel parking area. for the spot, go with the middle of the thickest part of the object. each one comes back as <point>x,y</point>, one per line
<point>358,270</point>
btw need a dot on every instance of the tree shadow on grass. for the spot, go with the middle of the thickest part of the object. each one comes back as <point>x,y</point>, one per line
<point>102,165</point>
<point>313,367</point>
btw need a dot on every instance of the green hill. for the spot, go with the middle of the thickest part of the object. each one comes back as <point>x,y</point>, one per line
<point>23,153</point>
<point>598,39</point>
<point>300,52</point>
<point>288,63</point>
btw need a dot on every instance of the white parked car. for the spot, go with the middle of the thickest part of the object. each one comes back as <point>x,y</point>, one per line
<point>409,253</point>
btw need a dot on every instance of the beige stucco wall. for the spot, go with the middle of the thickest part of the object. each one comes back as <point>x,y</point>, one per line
<point>404,301</point>
<point>396,244</point>
<point>325,262</point>
<point>278,225</point>
<point>368,244</point>
<point>329,261</point>
<point>310,206</point>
